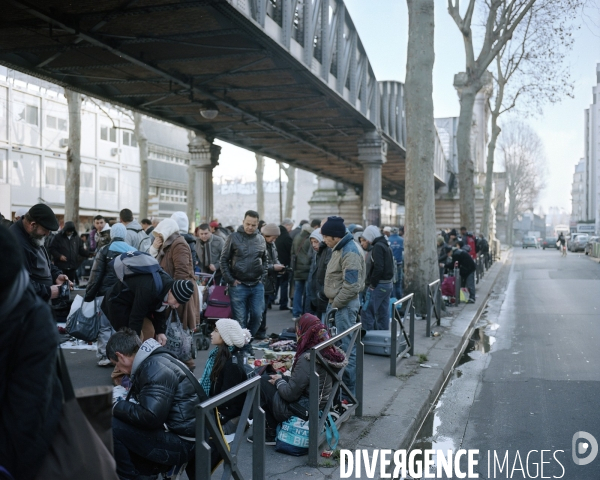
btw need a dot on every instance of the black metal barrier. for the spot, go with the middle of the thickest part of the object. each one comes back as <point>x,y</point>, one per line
<point>434,305</point>
<point>316,436</point>
<point>456,285</point>
<point>397,319</point>
<point>206,424</point>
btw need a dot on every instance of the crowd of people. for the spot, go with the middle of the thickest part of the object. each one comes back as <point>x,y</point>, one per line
<point>308,269</point>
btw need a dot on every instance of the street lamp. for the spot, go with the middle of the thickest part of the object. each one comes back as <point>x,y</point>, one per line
<point>209,110</point>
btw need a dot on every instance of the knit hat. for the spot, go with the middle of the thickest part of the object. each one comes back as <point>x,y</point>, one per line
<point>232,333</point>
<point>270,229</point>
<point>44,216</point>
<point>316,234</point>
<point>182,221</point>
<point>371,233</point>
<point>387,229</point>
<point>334,227</point>
<point>214,224</point>
<point>183,290</point>
<point>118,230</point>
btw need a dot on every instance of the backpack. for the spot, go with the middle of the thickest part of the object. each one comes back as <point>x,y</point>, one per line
<point>133,263</point>
<point>142,242</point>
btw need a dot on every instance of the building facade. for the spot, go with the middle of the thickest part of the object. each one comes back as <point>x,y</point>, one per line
<point>578,193</point>
<point>592,155</point>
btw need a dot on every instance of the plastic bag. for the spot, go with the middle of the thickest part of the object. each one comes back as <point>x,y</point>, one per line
<point>179,341</point>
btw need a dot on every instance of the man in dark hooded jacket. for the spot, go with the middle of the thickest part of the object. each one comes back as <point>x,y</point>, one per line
<point>30,392</point>
<point>66,248</point>
<point>284,253</point>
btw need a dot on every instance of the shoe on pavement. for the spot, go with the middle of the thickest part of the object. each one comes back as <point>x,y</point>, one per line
<point>471,300</point>
<point>104,362</point>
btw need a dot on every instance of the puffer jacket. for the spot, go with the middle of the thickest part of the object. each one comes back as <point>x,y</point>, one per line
<point>271,278</point>
<point>244,258</point>
<point>71,248</point>
<point>290,391</point>
<point>345,276</point>
<point>302,253</point>
<point>102,276</point>
<point>164,394</point>
<point>30,391</point>
<point>382,263</point>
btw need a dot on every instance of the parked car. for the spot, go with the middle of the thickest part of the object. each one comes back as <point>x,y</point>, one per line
<point>550,242</point>
<point>590,245</point>
<point>530,242</point>
<point>579,242</point>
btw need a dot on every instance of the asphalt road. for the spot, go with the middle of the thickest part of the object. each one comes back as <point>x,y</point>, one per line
<point>530,378</point>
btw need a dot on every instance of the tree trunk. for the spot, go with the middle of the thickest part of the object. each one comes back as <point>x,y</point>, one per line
<point>260,188</point>
<point>510,218</point>
<point>489,178</point>
<point>421,259</point>
<point>142,142</point>
<point>289,193</point>
<point>73,158</point>
<point>466,167</point>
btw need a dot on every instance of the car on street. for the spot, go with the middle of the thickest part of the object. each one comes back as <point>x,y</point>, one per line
<point>589,247</point>
<point>578,243</point>
<point>530,242</point>
<point>549,242</point>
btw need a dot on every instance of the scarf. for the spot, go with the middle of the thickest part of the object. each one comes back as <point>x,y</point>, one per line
<point>210,363</point>
<point>311,332</point>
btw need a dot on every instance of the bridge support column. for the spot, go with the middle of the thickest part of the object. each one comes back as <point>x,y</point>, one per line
<point>372,153</point>
<point>204,157</point>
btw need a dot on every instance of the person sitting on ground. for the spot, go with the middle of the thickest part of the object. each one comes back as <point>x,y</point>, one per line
<point>153,429</point>
<point>102,279</point>
<point>277,392</point>
<point>224,369</point>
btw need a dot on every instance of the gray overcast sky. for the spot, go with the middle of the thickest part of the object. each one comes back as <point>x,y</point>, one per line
<point>383,28</point>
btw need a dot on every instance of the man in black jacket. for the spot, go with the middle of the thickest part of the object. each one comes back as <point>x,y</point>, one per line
<point>30,392</point>
<point>244,266</point>
<point>467,268</point>
<point>66,249</point>
<point>158,430</point>
<point>284,253</point>
<point>380,281</point>
<point>30,231</point>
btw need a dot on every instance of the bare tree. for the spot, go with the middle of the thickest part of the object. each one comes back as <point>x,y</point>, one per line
<point>260,188</point>
<point>290,172</point>
<point>420,267</point>
<point>524,162</point>
<point>72,183</point>
<point>529,73</point>
<point>502,17</point>
<point>142,142</point>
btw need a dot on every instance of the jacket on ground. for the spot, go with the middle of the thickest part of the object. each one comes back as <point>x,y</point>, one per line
<point>244,258</point>
<point>345,276</point>
<point>42,273</point>
<point>165,395</point>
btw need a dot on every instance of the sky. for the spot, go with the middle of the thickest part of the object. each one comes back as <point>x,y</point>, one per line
<point>383,29</point>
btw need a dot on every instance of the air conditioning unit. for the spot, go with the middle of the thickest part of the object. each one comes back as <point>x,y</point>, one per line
<point>63,142</point>
<point>115,151</point>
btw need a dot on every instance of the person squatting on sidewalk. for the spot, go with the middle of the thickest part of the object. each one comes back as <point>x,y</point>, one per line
<point>344,279</point>
<point>244,266</point>
<point>380,279</point>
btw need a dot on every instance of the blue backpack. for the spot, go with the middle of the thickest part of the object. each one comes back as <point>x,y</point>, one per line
<point>135,262</point>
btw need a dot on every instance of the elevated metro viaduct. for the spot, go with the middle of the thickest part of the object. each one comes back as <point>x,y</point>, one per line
<point>290,79</point>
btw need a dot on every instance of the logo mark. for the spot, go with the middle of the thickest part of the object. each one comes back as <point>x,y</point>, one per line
<point>583,448</point>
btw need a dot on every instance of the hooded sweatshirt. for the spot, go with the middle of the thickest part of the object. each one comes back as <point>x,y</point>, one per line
<point>164,229</point>
<point>184,230</point>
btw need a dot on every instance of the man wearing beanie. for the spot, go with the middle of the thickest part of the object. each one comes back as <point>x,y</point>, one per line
<point>244,266</point>
<point>270,231</point>
<point>344,279</point>
<point>30,231</point>
<point>380,278</point>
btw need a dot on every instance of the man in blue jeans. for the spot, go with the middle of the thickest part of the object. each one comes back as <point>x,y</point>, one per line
<point>244,266</point>
<point>344,279</point>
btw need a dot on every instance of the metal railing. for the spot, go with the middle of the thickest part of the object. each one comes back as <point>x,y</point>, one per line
<point>456,285</point>
<point>316,436</point>
<point>434,304</point>
<point>397,319</point>
<point>207,427</point>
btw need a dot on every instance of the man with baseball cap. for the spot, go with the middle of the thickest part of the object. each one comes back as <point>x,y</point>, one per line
<point>31,230</point>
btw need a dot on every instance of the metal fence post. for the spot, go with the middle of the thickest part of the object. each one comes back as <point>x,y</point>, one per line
<point>398,320</point>
<point>412,330</point>
<point>456,284</point>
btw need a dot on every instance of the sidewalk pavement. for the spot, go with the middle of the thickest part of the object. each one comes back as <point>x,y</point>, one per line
<point>394,407</point>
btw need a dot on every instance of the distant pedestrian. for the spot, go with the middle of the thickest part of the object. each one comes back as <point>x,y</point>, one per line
<point>397,245</point>
<point>208,251</point>
<point>563,244</point>
<point>302,254</point>
<point>136,236</point>
<point>270,232</point>
<point>66,248</point>
<point>284,253</point>
<point>316,283</point>
<point>467,268</point>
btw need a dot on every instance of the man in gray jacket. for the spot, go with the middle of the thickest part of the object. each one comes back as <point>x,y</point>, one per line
<point>244,266</point>
<point>136,236</point>
<point>209,248</point>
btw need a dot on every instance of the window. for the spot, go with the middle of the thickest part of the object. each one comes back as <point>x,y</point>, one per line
<point>129,139</point>
<point>108,134</point>
<point>168,158</point>
<point>107,184</point>
<point>29,115</point>
<point>62,124</point>
<point>87,180</point>
<point>173,195</point>
<point>51,121</point>
<point>56,176</point>
<point>56,123</point>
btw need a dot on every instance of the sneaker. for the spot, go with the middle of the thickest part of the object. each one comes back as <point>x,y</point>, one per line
<point>471,300</point>
<point>346,404</point>
<point>175,472</point>
<point>104,362</point>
